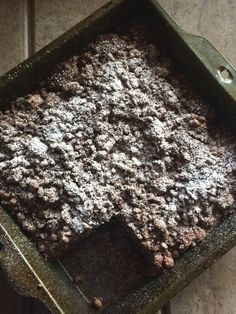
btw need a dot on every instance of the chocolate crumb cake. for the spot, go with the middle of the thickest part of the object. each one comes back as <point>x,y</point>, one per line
<point>116,133</point>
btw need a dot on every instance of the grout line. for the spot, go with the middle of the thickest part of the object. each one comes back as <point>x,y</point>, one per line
<point>25,29</point>
<point>166,309</point>
<point>29,28</point>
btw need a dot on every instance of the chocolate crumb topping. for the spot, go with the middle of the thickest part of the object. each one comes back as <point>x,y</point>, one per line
<point>117,133</point>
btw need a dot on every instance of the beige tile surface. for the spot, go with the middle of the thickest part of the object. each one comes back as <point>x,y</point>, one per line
<point>12,36</point>
<point>56,16</point>
<point>214,292</point>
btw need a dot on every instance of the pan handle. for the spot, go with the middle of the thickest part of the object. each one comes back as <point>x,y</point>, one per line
<point>221,69</point>
<point>205,54</point>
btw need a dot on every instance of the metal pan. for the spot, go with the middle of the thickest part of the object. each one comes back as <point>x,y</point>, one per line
<point>51,282</point>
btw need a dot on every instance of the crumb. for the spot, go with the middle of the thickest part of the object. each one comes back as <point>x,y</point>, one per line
<point>98,303</point>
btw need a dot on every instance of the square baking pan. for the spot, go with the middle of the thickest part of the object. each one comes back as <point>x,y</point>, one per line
<point>52,283</point>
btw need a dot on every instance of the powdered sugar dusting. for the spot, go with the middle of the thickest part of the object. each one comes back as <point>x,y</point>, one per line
<point>117,133</point>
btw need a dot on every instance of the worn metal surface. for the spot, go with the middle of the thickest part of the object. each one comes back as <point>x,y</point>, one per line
<point>31,275</point>
<point>196,50</point>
